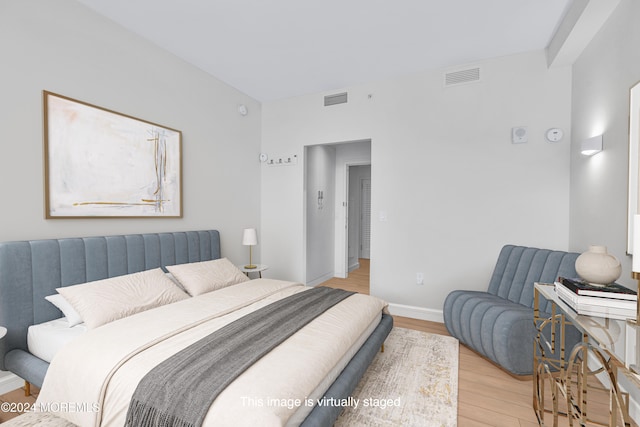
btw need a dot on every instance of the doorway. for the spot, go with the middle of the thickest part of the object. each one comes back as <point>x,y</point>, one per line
<point>332,244</point>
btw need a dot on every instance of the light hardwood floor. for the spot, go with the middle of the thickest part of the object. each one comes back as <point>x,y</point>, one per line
<point>487,395</point>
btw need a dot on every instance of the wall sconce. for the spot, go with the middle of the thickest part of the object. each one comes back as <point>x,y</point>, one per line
<point>591,146</point>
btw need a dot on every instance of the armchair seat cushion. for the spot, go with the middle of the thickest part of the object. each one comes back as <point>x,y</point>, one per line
<point>494,327</point>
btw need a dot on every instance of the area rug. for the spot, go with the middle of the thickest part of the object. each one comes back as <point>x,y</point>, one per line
<point>413,383</point>
<point>37,419</point>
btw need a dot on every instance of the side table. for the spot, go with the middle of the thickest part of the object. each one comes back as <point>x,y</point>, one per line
<point>567,378</point>
<point>259,269</point>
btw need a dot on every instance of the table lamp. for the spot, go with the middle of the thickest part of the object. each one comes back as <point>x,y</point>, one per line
<point>250,238</point>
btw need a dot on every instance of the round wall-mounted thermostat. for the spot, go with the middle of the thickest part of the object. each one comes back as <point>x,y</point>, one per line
<point>554,134</point>
<point>263,157</point>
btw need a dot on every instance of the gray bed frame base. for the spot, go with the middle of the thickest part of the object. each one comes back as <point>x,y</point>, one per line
<point>31,270</point>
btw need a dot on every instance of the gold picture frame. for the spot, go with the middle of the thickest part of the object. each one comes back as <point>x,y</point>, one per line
<point>102,164</point>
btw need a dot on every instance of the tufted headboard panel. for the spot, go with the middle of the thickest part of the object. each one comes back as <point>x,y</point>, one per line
<point>31,270</point>
<point>519,267</point>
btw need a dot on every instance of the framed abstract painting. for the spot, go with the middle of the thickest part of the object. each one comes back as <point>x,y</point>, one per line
<point>101,164</point>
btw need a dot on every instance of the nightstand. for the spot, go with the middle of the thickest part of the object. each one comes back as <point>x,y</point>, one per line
<point>259,269</point>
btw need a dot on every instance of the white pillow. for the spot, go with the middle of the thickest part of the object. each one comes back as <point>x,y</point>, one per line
<point>174,280</point>
<point>104,301</point>
<point>206,276</point>
<point>67,309</point>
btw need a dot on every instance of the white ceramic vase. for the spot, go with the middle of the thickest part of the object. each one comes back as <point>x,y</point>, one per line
<point>598,267</point>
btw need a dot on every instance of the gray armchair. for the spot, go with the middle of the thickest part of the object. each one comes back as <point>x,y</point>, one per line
<point>498,323</point>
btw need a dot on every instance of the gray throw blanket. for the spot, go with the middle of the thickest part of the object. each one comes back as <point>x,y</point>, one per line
<point>179,391</point>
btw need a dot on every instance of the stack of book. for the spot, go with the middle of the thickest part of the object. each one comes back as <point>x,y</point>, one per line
<point>613,301</point>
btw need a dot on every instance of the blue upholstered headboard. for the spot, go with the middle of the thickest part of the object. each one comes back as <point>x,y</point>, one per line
<point>31,270</point>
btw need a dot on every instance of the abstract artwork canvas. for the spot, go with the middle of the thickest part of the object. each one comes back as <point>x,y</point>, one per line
<point>99,163</point>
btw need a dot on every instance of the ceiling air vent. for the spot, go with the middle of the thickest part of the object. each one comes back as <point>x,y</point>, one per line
<point>454,78</point>
<point>338,98</point>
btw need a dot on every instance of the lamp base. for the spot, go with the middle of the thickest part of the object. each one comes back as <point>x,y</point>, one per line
<point>250,266</point>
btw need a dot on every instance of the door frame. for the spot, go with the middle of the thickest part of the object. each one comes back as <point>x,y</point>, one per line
<point>343,272</point>
<point>360,234</point>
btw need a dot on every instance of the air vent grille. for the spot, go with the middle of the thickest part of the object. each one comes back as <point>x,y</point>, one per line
<point>338,98</point>
<point>470,75</point>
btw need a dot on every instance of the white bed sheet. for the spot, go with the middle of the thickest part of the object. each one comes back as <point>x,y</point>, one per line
<point>45,340</point>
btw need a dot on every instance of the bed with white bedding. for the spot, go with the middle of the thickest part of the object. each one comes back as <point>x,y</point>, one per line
<point>97,370</point>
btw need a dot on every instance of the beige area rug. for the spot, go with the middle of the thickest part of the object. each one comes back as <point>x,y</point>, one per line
<point>413,383</point>
<point>37,419</point>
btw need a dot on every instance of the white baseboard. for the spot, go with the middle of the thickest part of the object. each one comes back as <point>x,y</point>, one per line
<point>9,382</point>
<point>417,312</point>
<point>354,267</point>
<point>320,279</point>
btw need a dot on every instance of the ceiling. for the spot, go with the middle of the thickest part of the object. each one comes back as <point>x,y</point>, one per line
<point>283,48</point>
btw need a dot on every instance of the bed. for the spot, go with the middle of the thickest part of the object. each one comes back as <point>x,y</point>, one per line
<point>31,271</point>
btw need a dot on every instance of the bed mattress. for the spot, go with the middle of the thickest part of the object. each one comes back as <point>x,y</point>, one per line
<point>301,414</point>
<point>46,339</point>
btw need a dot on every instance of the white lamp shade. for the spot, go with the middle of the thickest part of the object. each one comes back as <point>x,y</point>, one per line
<point>250,237</point>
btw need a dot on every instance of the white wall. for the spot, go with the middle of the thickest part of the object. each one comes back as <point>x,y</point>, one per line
<point>443,170</point>
<point>63,47</point>
<point>602,77</point>
<point>321,172</point>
